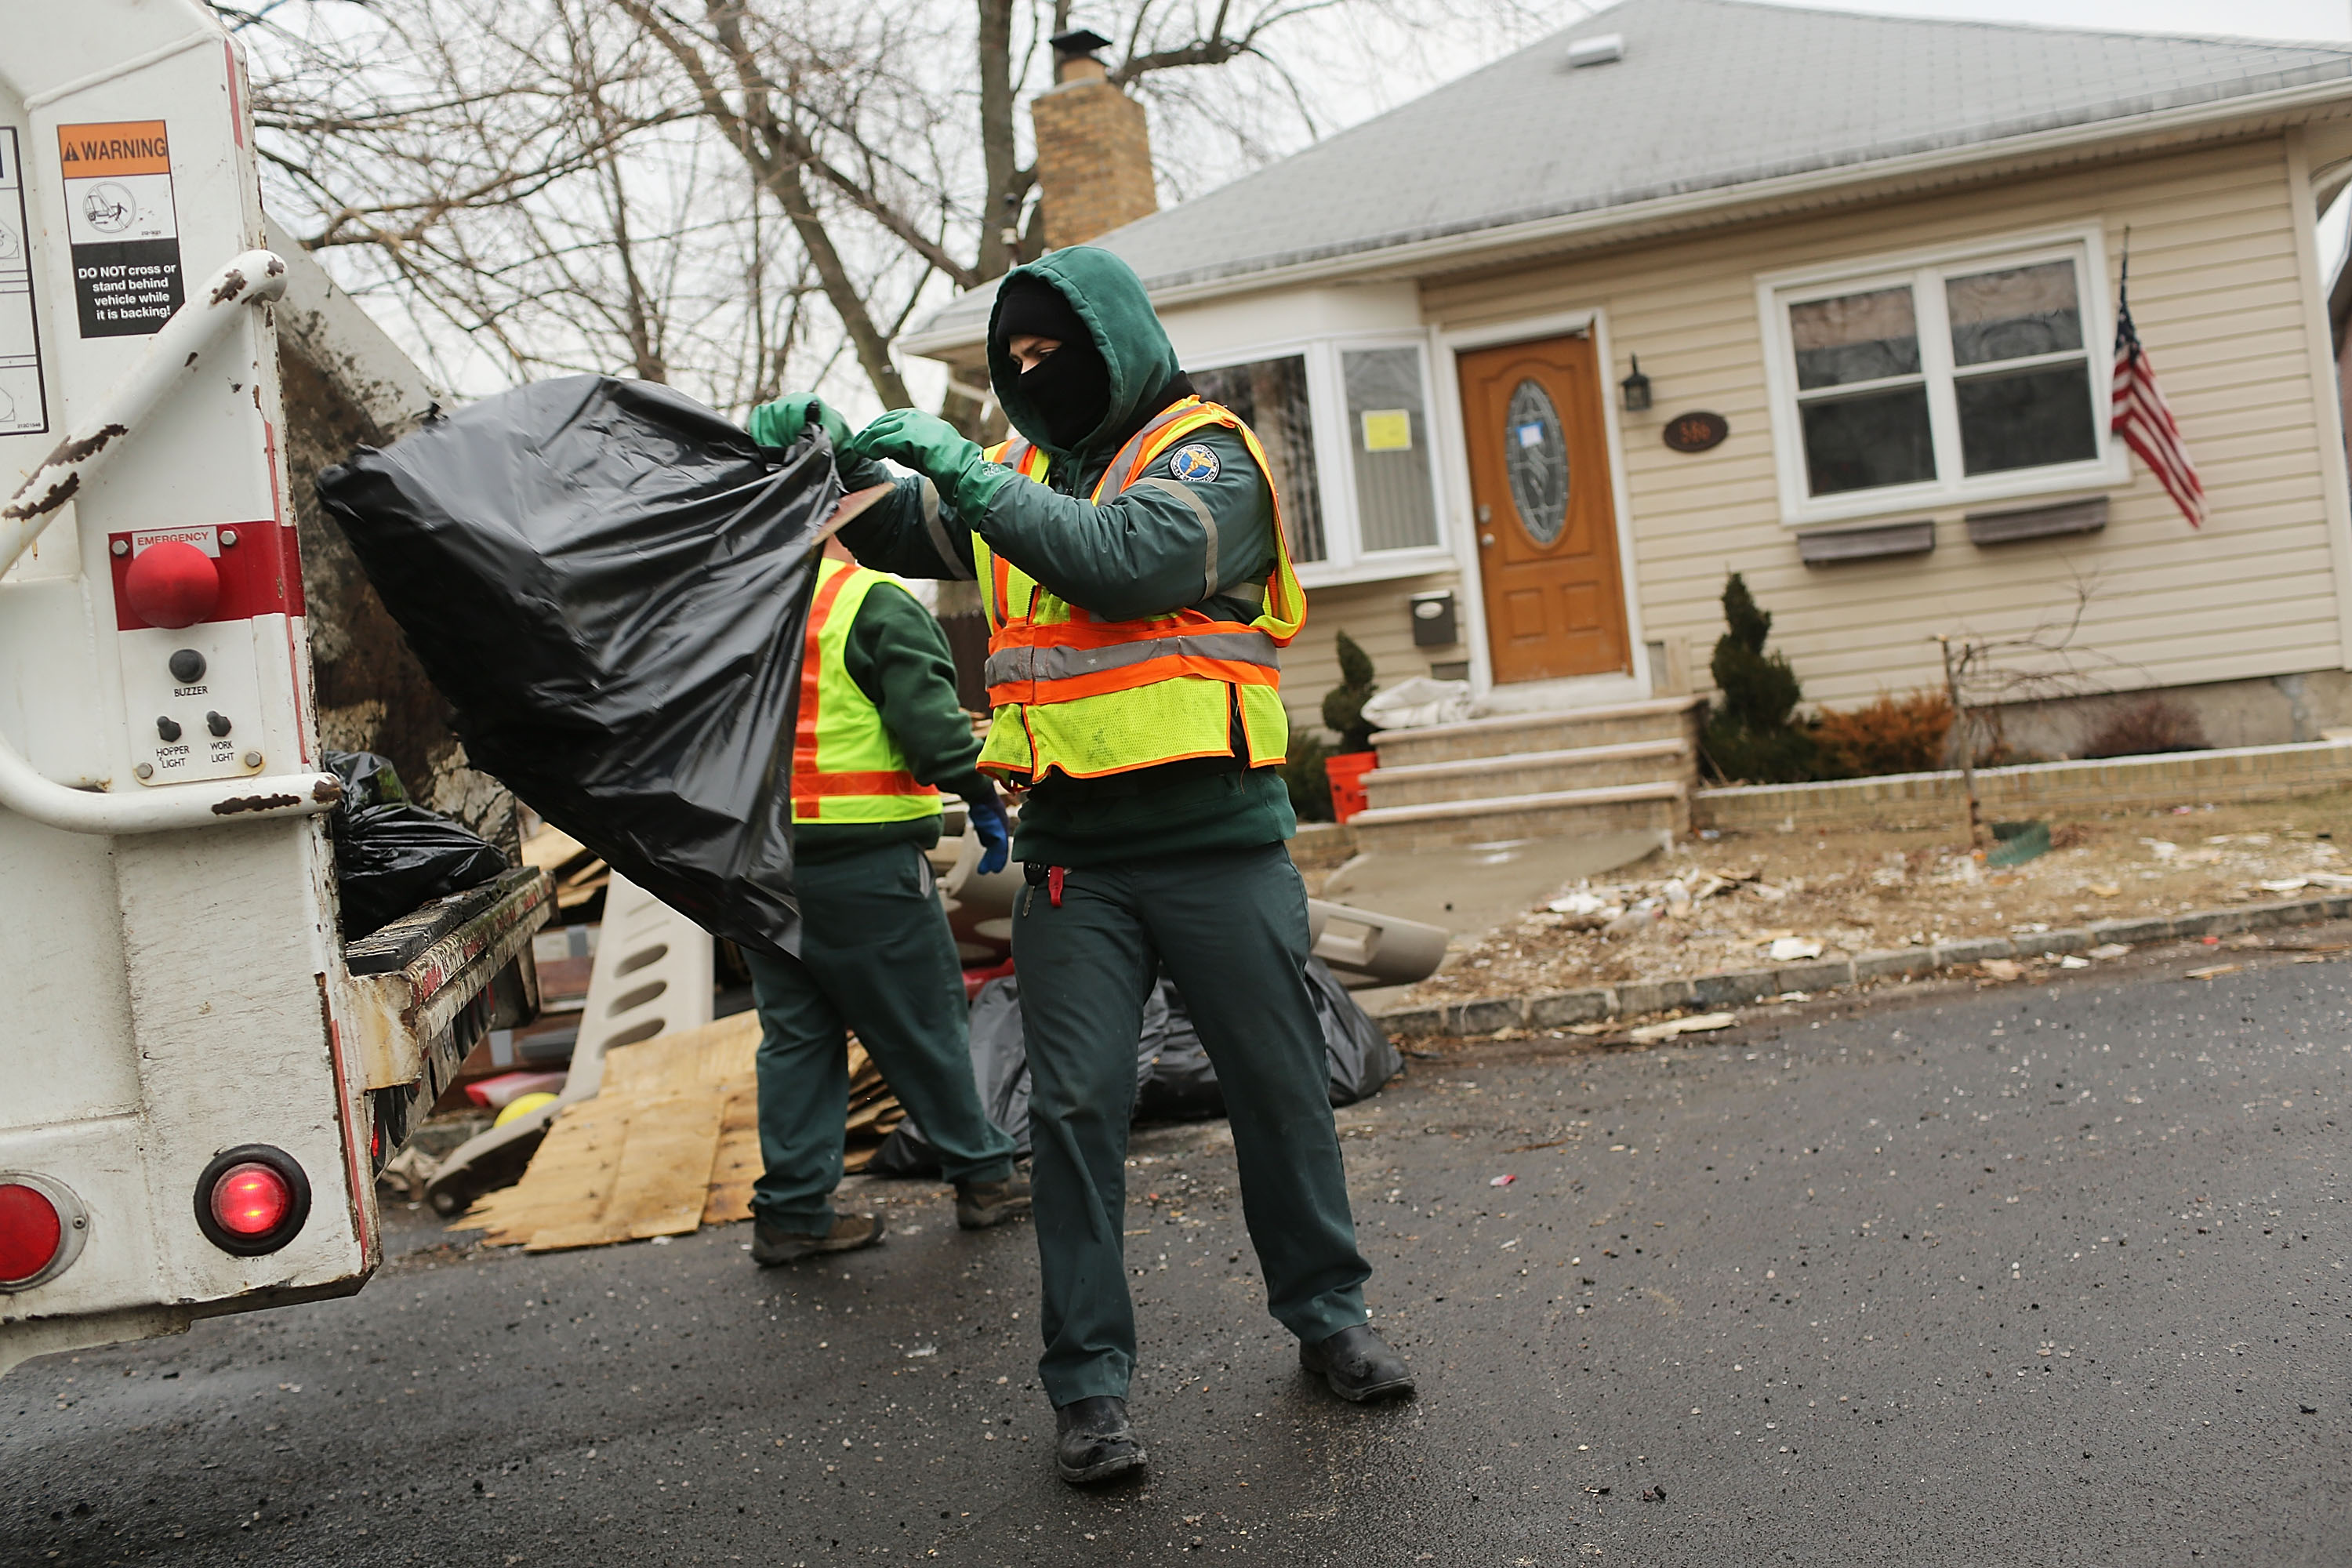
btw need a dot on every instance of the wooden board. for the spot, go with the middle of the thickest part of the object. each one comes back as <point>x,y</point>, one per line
<point>670,1142</point>
<point>610,1171</point>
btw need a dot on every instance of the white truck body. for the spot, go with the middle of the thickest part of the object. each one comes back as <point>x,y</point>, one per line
<point>174,982</point>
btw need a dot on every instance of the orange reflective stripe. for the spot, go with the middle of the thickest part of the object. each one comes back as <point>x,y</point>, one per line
<point>809,785</point>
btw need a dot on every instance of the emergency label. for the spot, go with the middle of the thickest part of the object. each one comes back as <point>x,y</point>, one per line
<point>122,224</point>
<point>24,405</point>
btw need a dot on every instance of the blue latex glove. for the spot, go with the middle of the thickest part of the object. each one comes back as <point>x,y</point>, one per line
<point>780,424</point>
<point>995,833</point>
<point>939,452</point>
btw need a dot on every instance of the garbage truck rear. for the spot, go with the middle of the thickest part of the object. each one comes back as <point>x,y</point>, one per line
<point>198,1077</point>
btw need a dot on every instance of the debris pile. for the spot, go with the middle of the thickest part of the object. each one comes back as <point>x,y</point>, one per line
<point>1745,901</point>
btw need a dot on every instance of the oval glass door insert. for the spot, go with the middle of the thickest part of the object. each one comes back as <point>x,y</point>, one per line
<point>1535,456</point>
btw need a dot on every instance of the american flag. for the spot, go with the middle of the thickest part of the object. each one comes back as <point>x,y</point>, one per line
<point>2144,422</point>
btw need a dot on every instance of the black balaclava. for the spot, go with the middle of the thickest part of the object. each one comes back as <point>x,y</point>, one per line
<point>1071,389</point>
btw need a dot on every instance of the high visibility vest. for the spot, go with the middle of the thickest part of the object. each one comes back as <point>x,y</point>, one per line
<point>846,765</point>
<point>1089,697</point>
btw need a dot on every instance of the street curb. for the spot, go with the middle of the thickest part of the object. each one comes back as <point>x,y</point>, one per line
<point>1633,998</point>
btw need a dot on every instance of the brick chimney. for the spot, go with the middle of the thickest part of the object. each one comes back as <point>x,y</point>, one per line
<point>1093,150</point>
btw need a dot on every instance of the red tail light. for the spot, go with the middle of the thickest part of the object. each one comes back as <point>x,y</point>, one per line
<point>30,1233</point>
<point>42,1226</point>
<point>252,1200</point>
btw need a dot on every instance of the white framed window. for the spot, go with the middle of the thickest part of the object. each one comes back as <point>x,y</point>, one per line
<point>1974,374</point>
<point>1345,426</point>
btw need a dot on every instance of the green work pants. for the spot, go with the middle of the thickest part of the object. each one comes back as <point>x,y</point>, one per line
<point>1231,926</point>
<point>876,956</point>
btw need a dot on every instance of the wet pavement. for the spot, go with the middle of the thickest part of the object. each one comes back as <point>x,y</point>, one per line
<point>2055,1272</point>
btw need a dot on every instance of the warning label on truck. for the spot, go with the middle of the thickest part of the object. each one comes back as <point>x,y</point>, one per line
<point>24,406</point>
<point>122,226</point>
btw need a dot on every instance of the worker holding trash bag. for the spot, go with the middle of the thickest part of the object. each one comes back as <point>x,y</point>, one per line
<point>1129,547</point>
<point>879,728</point>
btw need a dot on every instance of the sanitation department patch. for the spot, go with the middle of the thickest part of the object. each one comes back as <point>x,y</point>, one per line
<point>1193,463</point>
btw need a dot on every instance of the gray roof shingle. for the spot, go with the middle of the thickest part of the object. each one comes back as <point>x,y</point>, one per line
<point>1710,94</point>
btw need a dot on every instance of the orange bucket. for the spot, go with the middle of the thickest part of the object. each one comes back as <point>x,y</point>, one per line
<point>1346,771</point>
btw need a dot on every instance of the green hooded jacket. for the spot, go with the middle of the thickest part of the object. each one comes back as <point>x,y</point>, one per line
<point>1203,542</point>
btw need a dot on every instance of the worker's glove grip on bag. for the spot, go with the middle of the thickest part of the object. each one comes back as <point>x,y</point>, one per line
<point>780,424</point>
<point>939,452</point>
<point>989,825</point>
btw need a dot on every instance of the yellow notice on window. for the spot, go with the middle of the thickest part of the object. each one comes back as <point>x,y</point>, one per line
<point>1388,429</point>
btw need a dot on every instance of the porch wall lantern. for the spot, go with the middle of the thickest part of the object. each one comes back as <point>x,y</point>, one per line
<point>1636,388</point>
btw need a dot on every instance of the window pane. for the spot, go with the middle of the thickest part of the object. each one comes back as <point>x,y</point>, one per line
<point>1862,443</point>
<point>1854,337</point>
<point>1270,395</point>
<point>1535,456</point>
<point>1387,438</point>
<point>2026,418</point>
<point>2014,312</point>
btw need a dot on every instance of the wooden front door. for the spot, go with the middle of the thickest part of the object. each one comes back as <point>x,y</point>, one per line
<point>1547,520</point>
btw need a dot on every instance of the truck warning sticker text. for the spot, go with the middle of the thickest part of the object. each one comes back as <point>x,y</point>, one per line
<point>122,224</point>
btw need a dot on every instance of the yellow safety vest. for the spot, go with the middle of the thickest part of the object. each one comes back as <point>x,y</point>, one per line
<point>1090,697</point>
<point>846,765</point>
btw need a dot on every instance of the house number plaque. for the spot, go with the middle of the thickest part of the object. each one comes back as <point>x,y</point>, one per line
<point>1696,432</point>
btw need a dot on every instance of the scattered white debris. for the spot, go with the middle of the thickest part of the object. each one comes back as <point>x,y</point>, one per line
<point>1793,947</point>
<point>1699,1024</point>
<point>2071,962</point>
<point>2109,949</point>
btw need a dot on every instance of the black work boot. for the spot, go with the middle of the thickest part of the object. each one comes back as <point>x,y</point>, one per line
<point>1359,1364</point>
<point>980,1204</point>
<point>1093,1441</point>
<point>772,1245</point>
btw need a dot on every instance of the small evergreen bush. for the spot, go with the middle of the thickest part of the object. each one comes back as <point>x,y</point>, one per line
<point>1752,735</point>
<point>1343,705</point>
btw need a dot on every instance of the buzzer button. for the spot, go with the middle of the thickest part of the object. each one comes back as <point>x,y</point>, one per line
<point>187,667</point>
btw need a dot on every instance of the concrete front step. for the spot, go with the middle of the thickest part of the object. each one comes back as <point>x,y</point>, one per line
<point>1533,773</point>
<point>1664,807</point>
<point>1660,719</point>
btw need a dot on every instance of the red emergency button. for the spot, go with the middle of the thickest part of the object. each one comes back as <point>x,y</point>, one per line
<point>172,583</point>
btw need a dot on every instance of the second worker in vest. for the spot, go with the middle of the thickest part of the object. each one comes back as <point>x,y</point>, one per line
<point>1129,549</point>
<point>879,726</point>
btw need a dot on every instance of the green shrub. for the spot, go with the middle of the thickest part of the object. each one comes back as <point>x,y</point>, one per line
<point>1303,775</point>
<point>1343,705</point>
<point>1751,735</point>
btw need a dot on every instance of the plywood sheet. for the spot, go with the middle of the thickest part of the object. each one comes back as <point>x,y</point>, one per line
<point>671,1142</point>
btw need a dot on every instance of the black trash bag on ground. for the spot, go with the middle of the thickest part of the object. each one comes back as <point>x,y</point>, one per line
<point>391,856</point>
<point>1179,1084</point>
<point>610,584</point>
<point>1174,1082</point>
<point>1356,1049</point>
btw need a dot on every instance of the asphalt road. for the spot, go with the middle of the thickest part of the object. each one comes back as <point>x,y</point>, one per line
<point>2032,1274</point>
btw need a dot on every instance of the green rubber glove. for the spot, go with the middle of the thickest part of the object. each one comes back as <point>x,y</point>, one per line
<point>780,424</point>
<point>939,452</point>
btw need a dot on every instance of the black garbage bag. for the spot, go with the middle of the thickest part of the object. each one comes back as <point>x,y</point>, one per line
<point>369,779</point>
<point>1000,1066</point>
<point>1179,1084</point>
<point>391,856</point>
<point>1356,1049</point>
<point>610,583</point>
<point>1174,1082</point>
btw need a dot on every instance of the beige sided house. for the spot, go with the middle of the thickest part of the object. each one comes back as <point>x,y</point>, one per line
<point>1824,299</point>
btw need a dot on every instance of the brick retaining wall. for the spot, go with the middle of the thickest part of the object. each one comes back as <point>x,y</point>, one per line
<point>1910,800</point>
